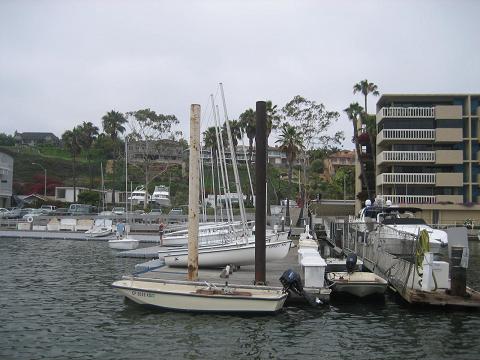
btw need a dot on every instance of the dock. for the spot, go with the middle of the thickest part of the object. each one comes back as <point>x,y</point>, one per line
<point>399,271</point>
<point>244,275</point>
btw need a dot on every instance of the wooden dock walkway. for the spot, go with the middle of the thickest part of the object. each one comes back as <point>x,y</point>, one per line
<point>245,275</point>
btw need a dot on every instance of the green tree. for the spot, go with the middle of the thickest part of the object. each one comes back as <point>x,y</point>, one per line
<point>290,141</point>
<point>354,112</point>
<point>313,121</point>
<point>71,142</point>
<point>248,124</point>
<point>87,135</point>
<point>89,197</point>
<point>6,140</point>
<point>113,125</point>
<point>148,127</point>
<point>365,88</point>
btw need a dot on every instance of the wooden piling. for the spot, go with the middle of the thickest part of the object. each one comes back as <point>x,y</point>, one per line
<point>193,192</point>
<point>260,196</point>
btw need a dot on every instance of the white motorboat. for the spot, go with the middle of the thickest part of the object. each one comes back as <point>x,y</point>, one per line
<point>241,254</point>
<point>126,243</point>
<point>161,195</point>
<point>138,196</point>
<point>395,228</point>
<point>359,284</point>
<point>201,297</point>
<point>100,228</point>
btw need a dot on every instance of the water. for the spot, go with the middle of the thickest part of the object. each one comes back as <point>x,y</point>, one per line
<point>56,303</point>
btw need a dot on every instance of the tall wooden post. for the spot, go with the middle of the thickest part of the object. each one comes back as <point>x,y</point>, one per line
<point>193,192</point>
<point>260,197</point>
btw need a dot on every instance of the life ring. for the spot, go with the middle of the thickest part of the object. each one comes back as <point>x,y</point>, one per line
<point>30,219</point>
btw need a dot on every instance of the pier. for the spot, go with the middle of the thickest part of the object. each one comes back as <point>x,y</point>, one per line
<point>399,271</point>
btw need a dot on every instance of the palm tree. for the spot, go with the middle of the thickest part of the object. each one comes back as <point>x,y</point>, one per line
<point>291,142</point>
<point>236,133</point>
<point>353,113</point>
<point>88,133</point>
<point>247,122</point>
<point>366,88</point>
<point>70,139</point>
<point>112,124</point>
<point>273,117</point>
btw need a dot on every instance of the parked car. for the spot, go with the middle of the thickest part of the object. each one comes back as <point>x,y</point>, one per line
<point>32,213</point>
<point>3,213</point>
<point>155,212</point>
<point>48,209</point>
<point>118,210</point>
<point>60,211</point>
<point>176,211</point>
<point>81,209</point>
<point>13,213</point>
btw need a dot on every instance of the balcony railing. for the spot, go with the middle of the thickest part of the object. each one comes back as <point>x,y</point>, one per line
<point>406,156</point>
<point>410,199</point>
<point>406,178</point>
<point>407,112</point>
<point>406,134</point>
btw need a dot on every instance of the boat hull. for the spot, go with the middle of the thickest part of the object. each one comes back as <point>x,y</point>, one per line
<point>360,284</point>
<point>99,232</point>
<point>123,244</point>
<point>232,255</point>
<point>198,298</point>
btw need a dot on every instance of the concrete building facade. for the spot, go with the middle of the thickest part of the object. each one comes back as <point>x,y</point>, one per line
<point>6,179</point>
<point>428,154</point>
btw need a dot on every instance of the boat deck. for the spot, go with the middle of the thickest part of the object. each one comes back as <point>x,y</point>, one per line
<point>245,275</point>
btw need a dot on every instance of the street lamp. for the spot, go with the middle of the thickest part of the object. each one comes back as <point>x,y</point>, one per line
<point>44,178</point>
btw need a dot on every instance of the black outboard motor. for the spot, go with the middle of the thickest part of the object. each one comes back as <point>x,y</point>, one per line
<point>292,281</point>
<point>351,263</point>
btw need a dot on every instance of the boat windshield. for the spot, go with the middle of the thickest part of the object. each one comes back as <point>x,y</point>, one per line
<point>403,221</point>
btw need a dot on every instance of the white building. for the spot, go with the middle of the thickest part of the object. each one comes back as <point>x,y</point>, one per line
<point>6,179</point>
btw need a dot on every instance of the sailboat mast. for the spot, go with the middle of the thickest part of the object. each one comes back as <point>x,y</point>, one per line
<point>234,162</point>
<point>213,187</point>
<point>126,184</point>
<point>193,192</point>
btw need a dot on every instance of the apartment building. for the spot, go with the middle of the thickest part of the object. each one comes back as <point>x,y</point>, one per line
<point>428,154</point>
<point>338,160</point>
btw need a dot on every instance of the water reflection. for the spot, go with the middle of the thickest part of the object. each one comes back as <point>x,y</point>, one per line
<point>57,303</point>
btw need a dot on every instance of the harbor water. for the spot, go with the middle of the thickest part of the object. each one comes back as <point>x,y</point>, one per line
<point>56,303</point>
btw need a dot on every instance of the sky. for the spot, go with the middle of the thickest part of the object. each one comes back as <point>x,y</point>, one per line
<point>65,62</point>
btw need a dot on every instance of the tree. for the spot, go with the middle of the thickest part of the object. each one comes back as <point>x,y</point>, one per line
<point>273,118</point>
<point>113,125</point>
<point>290,141</point>
<point>354,111</point>
<point>247,123</point>
<point>87,135</point>
<point>71,142</point>
<point>235,129</point>
<point>149,127</point>
<point>366,88</point>
<point>312,121</point>
<point>7,140</point>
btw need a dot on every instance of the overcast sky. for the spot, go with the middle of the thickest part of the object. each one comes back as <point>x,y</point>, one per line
<point>64,62</point>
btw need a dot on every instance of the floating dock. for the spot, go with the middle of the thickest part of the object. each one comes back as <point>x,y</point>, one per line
<point>245,275</point>
<point>400,272</point>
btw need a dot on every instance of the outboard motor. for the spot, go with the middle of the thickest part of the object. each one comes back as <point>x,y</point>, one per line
<point>292,281</point>
<point>351,263</point>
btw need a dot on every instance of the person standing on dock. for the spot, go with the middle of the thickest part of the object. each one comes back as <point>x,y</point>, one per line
<point>120,230</point>
<point>161,228</point>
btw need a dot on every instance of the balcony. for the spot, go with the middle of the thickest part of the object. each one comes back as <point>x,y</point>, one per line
<point>406,178</point>
<point>410,199</point>
<point>406,157</point>
<point>406,112</point>
<point>405,135</point>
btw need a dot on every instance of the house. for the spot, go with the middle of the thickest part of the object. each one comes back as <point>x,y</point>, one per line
<point>335,161</point>
<point>36,138</point>
<point>6,177</point>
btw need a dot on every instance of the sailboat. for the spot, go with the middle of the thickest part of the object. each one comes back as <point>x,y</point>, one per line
<point>191,295</point>
<point>124,242</point>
